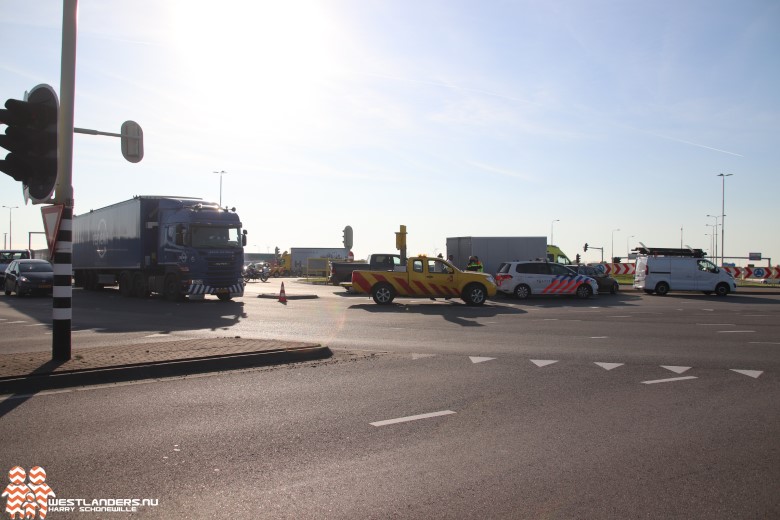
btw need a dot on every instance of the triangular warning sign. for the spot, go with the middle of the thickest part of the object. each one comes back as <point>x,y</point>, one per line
<point>52,216</point>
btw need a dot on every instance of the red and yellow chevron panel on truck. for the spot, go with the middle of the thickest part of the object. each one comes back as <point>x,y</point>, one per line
<point>427,277</point>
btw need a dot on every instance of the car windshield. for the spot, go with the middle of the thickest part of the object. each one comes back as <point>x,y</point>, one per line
<point>36,267</point>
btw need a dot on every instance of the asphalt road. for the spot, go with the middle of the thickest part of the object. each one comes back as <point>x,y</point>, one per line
<point>616,407</point>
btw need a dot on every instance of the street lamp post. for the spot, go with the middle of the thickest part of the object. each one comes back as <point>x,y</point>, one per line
<point>715,235</point>
<point>221,173</point>
<point>628,250</point>
<point>10,226</point>
<point>552,242</point>
<point>723,215</point>
<point>612,251</point>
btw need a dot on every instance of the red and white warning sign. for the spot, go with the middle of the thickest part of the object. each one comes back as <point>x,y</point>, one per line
<point>52,216</point>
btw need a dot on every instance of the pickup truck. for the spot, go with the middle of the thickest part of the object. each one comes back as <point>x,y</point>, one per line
<point>427,277</point>
<point>341,272</point>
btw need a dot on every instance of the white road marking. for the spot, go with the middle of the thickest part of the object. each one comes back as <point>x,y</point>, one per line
<point>751,373</point>
<point>14,322</point>
<point>422,356</point>
<point>764,342</point>
<point>412,418</point>
<point>599,337</point>
<point>609,366</point>
<point>676,370</point>
<point>543,362</point>
<point>717,324</point>
<point>668,380</point>
<point>733,331</point>
<point>158,335</point>
<point>476,359</point>
<point>37,325</point>
<point>620,316</point>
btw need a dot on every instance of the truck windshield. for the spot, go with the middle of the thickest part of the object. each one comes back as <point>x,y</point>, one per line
<point>215,236</point>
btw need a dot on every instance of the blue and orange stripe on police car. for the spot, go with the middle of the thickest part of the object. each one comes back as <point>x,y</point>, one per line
<point>563,285</point>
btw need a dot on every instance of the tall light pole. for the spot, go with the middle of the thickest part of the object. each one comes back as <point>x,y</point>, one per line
<point>221,173</point>
<point>552,242</point>
<point>715,235</point>
<point>723,215</point>
<point>10,226</point>
<point>628,251</point>
<point>612,251</point>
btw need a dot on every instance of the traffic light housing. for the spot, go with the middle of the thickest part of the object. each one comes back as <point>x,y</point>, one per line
<point>586,247</point>
<point>577,259</point>
<point>348,237</point>
<point>31,140</point>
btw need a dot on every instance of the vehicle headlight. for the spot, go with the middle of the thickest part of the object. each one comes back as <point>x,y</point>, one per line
<point>491,279</point>
<point>24,279</point>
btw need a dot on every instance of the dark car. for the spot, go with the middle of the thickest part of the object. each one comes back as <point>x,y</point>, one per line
<point>9,255</point>
<point>607,284</point>
<point>28,276</point>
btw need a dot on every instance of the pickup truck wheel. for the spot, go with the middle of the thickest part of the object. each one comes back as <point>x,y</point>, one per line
<point>383,293</point>
<point>662,289</point>
<point>474,294</point>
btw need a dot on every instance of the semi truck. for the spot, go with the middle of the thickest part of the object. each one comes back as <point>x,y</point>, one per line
<point>493,251</point>
<point>178,247</point>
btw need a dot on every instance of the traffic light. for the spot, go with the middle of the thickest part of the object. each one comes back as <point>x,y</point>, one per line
<point>577,259</point>
<point>586,247</point>
<point>31,140</point>
<point>348,237</point>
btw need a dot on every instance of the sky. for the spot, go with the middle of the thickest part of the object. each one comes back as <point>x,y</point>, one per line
<point>604,122</point>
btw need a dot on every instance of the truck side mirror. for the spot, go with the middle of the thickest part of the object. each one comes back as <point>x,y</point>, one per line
<point>243,239</point>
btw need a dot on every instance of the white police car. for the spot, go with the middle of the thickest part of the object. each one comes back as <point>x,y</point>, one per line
<point>535,277</point>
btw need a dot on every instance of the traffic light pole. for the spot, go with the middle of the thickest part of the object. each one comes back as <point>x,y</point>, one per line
<point>63,260</point>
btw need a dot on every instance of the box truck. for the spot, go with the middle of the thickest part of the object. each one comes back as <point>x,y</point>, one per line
<point>493,251</point>
<point>175,246</point>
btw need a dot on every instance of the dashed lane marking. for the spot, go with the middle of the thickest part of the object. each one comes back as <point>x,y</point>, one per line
<point>543,362</point>
<point>733,331</point>
<point>675,369</point>
<point>476,359</point>
<point>608,366</point>
<point>750,373</point>
<point>412,418</point>
<point>668,380</point>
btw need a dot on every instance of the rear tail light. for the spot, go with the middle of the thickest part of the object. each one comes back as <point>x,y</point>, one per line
<point>647,270</point>
<point>501,277</point>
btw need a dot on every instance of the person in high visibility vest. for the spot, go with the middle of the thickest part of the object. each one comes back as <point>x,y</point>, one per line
<point>474,264</point>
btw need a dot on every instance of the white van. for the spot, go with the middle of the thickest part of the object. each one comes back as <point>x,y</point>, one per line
<point>661,274</point>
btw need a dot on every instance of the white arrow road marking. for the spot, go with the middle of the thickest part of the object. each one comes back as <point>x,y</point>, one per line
<point>676,370</point>
<point>475,359</point>
<point>422,356</point>
<point>751,373</point>
<point>412,418</point>
<point>609,366</point>
<point>668,380</point>
<point>543,362</point>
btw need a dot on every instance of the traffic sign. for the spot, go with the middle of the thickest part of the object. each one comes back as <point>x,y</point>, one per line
<point>52,216</point>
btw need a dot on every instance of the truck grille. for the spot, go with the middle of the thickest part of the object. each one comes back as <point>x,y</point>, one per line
<point>222,271</point>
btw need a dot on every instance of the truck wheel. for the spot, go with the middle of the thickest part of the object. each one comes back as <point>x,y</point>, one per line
<point>522,292</point>
<point>125,284</point>
<point>722,289</point>
<point>139,286</point>
<point>474,294</point>
<point>383,293</point>
<point>224,297</point>
<point>584,291</point>
<point>173,288</point>
<point>662,289</point>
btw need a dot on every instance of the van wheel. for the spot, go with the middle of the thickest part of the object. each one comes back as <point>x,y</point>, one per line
<point>662,289</point>
<point>522,292</point>
<point>383,293</point>
<point>722,289</point>
<point>474,294</point>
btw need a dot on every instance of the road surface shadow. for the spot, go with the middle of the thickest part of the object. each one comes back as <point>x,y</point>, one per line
<point>454,311</point>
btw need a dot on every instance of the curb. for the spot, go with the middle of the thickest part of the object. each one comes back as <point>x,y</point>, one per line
<point>123,373</point>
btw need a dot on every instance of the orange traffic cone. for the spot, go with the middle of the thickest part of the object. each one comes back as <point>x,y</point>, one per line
<point>282,296</point>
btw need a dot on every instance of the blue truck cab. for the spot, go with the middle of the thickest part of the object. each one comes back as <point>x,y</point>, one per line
<point>174,246</point>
